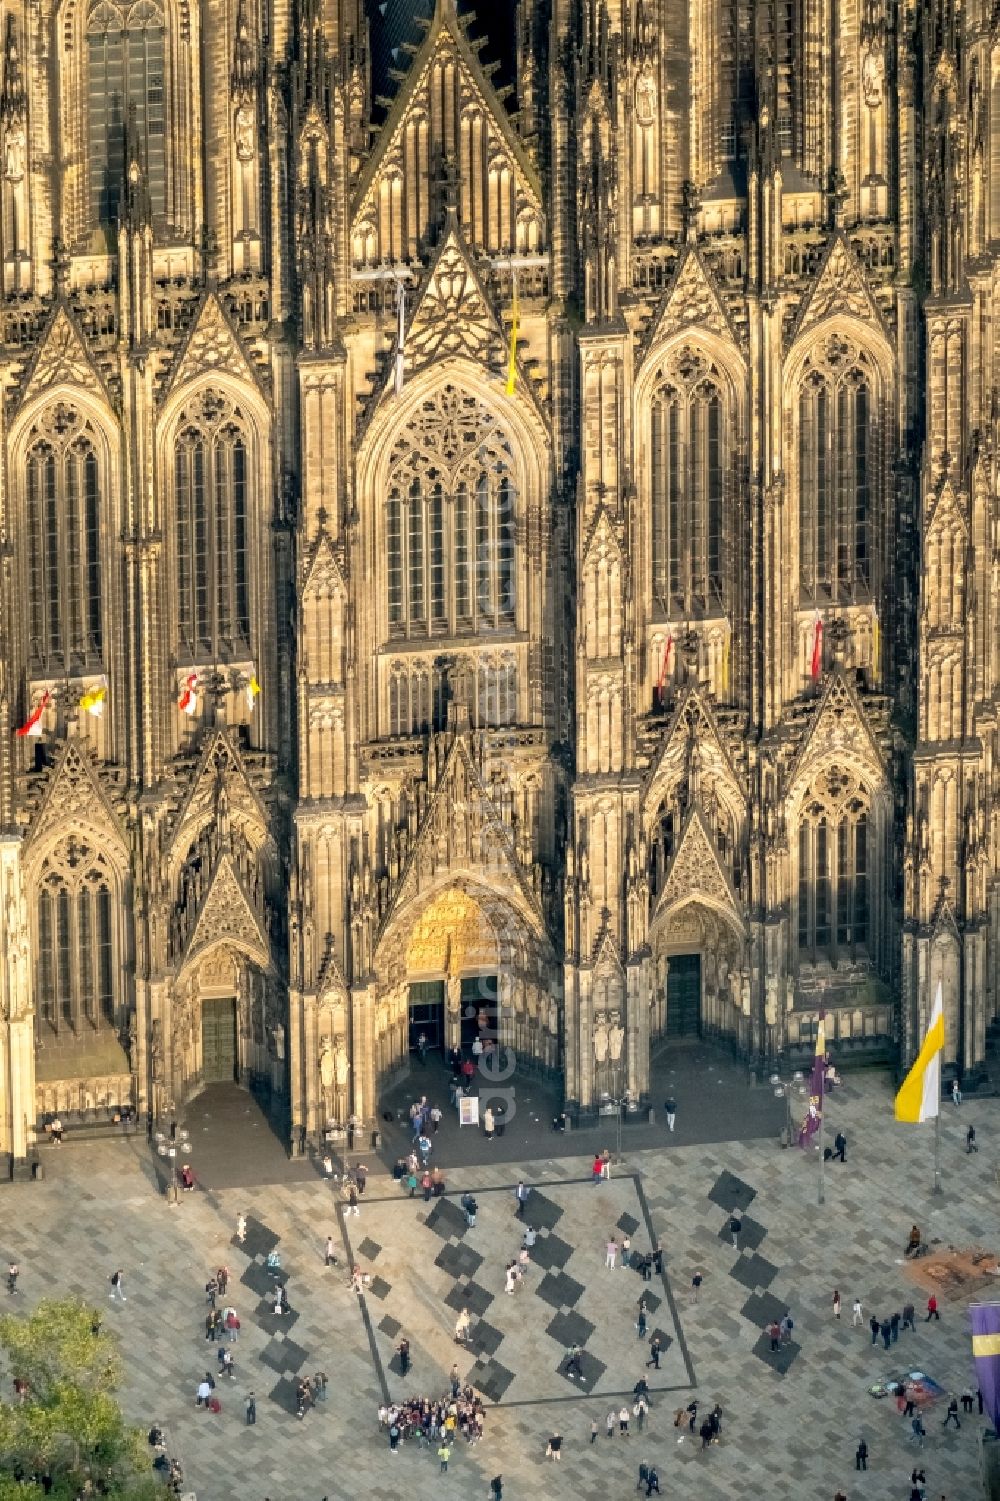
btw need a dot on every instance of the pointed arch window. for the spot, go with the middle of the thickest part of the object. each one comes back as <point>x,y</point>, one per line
<point>125,63</point>
<point>838,476</point>
<point>689,455</point>
<point>212,520</point>
<point>834,915</point>
<point>63,514</point>
<point>450,523</point>
<point>76,973</point>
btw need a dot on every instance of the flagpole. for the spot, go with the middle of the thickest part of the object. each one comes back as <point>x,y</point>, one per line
<point>937,1149</point>
<point>822,1164</point>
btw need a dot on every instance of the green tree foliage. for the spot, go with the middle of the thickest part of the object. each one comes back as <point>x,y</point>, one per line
<point>69,1432</point>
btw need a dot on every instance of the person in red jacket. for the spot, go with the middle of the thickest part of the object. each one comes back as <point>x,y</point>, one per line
<point>932,1310</point>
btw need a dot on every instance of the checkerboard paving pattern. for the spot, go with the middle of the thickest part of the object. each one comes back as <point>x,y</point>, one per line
<point>519,1343</point>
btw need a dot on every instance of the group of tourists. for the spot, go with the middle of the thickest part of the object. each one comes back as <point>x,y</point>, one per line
<point>458,1414</point>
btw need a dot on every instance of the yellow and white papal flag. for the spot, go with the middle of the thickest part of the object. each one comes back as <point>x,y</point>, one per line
<point>919,1098</point>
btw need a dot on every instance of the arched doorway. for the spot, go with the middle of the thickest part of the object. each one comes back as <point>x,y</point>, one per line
<point>460,960</point>
<point>226,1025</point>
<point>700,972</point>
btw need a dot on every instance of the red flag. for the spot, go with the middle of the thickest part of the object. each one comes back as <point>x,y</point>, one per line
<point>665,665</point>
<point>817,656</point>
<point>188,701</point>
<point>33,724</point>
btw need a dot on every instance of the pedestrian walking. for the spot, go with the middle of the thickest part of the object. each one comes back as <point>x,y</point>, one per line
<point>609,1423</point>
<point>640,1322</point>
<point>574,1370</point>
<point>840,1146</point>
<point>594,1430</point>
<point>241,1228</point>
<point>403,1351</point>
<point>970,1140</point>
<point>654,1353</point>
<point>653,1482</point>
<point>670,1106</point>
<point>787,1325</point>
<point>496,1488</point>
<point>611,1251</point>
<point>873,1325</point>
<point>861,1456</point>
<point>836,1304</point>
<point>909,1405</point>
<point>894,1326</point>
<point>353,1207</point>
<point>952,1412</point>
<point>118,1286</point>
<point>696,1282</point>
<point>956,1092</point>
<point>917,1430</point>
<point>232,1324</point>
<point>444,1454</point>
<point>521,1193</point>
<point>13,1272</point>
<point>735,1226</point>
<point>211,1289</point>
<point>596,1170</point>
<point>885,1329</point>
<point>932,1310</point>
<point>658,1259</point>
<point>251,1409</point>
<point>773,1332</point>
<point>908,1316</point>
<point>331,1259</point>
<point>858,1313</point>
<point>554,1447</point>
<point>967,1399</point>
<point>623,1417</point>
<point>489,1123</point>
<point>626,1250</point>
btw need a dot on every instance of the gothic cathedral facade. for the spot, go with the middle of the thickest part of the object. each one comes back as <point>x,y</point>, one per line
<point>514,538</point>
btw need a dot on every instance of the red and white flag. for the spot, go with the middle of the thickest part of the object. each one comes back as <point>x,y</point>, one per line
<point>33,724</point>
<point>188,701</point>
<point>816,666</point>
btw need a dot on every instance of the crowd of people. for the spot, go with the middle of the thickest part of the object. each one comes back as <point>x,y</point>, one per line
<point>432,1420</point>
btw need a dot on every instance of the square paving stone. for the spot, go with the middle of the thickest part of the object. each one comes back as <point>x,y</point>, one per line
<point>369,1249</point>
<point>650,1301</point>
<point>257,1278</point>
<point>666,1340</point>
<point>379,1288</point>
<point>485,1338</point>
<point>283,1355</point>
<point>541,1212</point>
<point>751,1234</point>
<point>491,1378</point>
<point>283,1392</point>
<point>570,1329</point>
<point>390,1326</point>
<point>550,1251</point>
<point>592,1368</point>
<point>276,1323</point>
<point>764,1308</point>
<point>754,1272</point>
<point>260,1240</point>
<point>779,1360</point>
<point>559,1290</point>
<point>458,1261</point>
<point>447,1220</point>
<point>469,1295</point>
<point>730,1192</point>
<point>628,1224</point>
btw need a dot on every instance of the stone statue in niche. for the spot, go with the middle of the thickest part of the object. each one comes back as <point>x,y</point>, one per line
<point>243,130</point>
<point>278,1042</point>
<point>15,143</point>
<point>327,1073</point>
<point>616,1037</point>
<point>553,1018</point>
<point>601,1039</point>
<point>156,1052</point>
<point>340,1066</point>
<point>645,96</point>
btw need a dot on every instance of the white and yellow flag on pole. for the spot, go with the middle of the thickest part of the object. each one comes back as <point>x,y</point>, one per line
<point>919,1098</point>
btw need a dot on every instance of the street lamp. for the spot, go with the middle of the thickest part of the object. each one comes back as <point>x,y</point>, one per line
<point>783,1089</point>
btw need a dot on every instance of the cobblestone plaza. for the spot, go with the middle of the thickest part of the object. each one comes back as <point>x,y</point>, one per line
<point>791,1422</point>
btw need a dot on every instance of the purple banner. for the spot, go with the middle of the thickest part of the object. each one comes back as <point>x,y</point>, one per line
<point>986,1350</point>
<point>816,1079</point>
